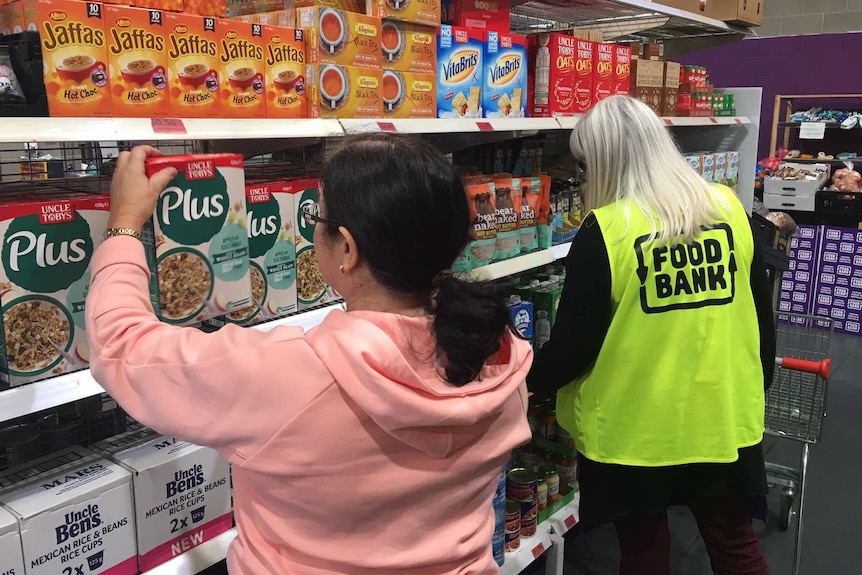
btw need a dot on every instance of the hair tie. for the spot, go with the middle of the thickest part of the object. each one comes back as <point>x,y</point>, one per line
<point>442,275</point>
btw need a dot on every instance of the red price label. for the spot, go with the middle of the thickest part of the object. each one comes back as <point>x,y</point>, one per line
<point>570,521</point>
<point>737,120</point>
<point>485,126</point>
<point>713,120</point>
<point>386,127</point>
<point>168,126</point>
<point>538,550</point>
<point>668,121</point>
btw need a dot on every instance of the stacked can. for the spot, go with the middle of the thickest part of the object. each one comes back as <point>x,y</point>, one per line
<point>513,525</point>
<point>498,542</point>
<point>522,486</point>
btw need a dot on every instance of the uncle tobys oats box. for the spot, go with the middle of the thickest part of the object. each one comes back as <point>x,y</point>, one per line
<point>74,56</point>
<point>200,240</point>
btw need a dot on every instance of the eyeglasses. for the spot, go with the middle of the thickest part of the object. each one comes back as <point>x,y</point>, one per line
<point>309,214</point>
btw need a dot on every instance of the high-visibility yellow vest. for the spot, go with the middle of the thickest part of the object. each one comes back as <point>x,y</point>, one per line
<point>678,379</point>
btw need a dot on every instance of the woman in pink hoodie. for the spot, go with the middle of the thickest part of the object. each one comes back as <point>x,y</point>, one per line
<point>374,442</point>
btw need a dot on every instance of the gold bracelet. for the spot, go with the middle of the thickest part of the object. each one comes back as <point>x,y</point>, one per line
<point>111,232</point>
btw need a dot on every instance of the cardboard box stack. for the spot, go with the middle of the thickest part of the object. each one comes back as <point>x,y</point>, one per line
<point>695,93</point>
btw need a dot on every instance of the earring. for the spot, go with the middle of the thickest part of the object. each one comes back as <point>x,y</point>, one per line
<point>341,267</point>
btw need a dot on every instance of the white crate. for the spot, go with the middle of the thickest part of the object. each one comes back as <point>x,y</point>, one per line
<point>781,187</point>
<point>789,201</point>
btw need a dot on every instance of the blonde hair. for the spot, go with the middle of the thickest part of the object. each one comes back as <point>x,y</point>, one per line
<point>630,155</point>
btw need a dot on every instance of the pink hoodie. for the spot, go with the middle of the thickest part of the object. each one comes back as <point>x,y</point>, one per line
<point>350,454</point>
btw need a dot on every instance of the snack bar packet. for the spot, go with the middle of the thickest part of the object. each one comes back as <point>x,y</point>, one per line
<point>507,192</point>
<point>484,217</point>
<point>530,202</point>
<point>543,221</point>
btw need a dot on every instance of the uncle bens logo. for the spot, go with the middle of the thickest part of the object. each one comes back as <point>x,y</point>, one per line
<point>505,69</point>
<point>264,220</point>
<point>185,480</point>
<point>193,208</point>
<point>77,523</point>
<point>47,251</point>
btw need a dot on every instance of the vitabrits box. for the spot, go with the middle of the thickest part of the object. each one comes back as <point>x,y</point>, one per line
<point>182,497</point>
<point>137,60</point>
<point>343,38</point>
<point>408,47</point>
<point>603,71</point>
<point>284,59</point>
<point>242,72</point>
<point>504,86</point>
<point>74,512</point>
<point>425,12</point>
<point>459,72</point>
<point>344,92</point>
<point>409,95</point>
<point>622,70</point>
<point>193,65</point>
<point>74,57</point>
<point>11,559</point>
<point>561,81</point>
<point>200,243</point>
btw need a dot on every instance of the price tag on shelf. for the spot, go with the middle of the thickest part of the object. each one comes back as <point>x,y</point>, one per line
<point>713,120</point>
<point>168,126</point>
<point>570,521</point>
<point>485,126</point>
<point>668,122</point>
<point>812,131</point>
<point>737,120</point>
<point>538,550</point>
<point>386,127</point>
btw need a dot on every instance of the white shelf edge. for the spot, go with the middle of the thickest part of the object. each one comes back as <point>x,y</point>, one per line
<point>681,122</point>
<point>568,122</point>
<point>513,266</point>
<point>560,251</point>
<point>532,547</point>
<point>197,559</point>
<point>48,393</point>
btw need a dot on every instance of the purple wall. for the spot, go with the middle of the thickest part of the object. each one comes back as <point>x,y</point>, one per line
<point>817,64</point>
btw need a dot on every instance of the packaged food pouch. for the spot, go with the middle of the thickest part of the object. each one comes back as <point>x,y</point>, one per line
<point>530,204</point>
<point>484,218</point>
<point>543,222</point>
<point>507,198</point>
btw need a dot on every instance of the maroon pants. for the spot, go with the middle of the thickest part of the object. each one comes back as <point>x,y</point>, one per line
<point>724,524</point>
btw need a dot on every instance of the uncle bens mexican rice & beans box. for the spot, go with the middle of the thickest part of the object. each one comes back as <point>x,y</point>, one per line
<point>504,86</point>
<point>242,75</point>
<point>459,72</point>
<point>182,496</point>
<point>200,241</point>
<point>11,559</point>
<point>137,60</point>
<point>286,95</point>
<point>74,512</point>
<point>193,65</point>
<point>47,243</point>
<point>74,56</point>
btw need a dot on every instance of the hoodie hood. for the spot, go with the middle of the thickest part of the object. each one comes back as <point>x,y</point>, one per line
<point>385,363</point>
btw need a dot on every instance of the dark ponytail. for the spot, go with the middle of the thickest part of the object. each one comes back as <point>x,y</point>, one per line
<point>470,320</point>
<point>407,209</point>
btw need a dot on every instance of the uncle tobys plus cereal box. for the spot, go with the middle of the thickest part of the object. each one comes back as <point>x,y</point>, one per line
<point>504,86</point>
<point>459,72</point>
<point>200,239</point>
<point>74,56</point>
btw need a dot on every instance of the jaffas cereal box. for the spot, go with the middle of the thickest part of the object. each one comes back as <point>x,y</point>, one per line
<point>74,512</point>
<point>408,47</point>
<point>409,95</point>
<point>284,61</point>
<point>603,71</point>
<point>193,65</point>
<point>460,57</point>
<point>182,497</point>
<point>310,288</point>
<point>74,55</point>
<point>622,70</point>
<point>561,81</point>
<point>504,86</point>
<point>163,5</point>
<point>343,38</point>
<point>425,12</point>
<point>11,559</point>
<point>242,78</point>
<point>48,242</point>
<point>137,60</point>
<point>200,240</point>
<point>344,92</point>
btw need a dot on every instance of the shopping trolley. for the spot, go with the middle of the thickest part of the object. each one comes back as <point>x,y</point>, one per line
<point>796,406</point>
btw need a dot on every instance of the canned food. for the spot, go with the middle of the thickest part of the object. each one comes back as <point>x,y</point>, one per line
<point>529,509</point>
<point>529,458</point>
<point>567,469</point>
<point>513,525</point>
<point>528,526</point>
<point>521,485</point>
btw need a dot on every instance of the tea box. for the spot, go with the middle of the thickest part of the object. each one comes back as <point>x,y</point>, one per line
<point>408,47</point>
<point>344,92</point>
<point>409,95</point>
<point>425,12</point>
<point>343,38</point>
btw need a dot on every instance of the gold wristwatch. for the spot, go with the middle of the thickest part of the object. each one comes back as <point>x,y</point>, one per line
<point>111,232</point>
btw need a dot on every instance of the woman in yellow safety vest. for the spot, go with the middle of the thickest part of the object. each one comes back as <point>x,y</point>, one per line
<point>663,344</point>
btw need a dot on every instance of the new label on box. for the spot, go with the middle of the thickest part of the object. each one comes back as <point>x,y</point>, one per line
<point>182,497</point>
<point>504,89</point>
<point>459,72</point>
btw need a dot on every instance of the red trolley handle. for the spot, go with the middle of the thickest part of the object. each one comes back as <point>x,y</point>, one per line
<point>821,368</point>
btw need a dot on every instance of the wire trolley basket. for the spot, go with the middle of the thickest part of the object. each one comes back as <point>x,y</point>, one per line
<point>796,406</point>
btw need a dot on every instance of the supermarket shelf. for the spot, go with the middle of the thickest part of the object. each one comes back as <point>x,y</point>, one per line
<point>197,559</point>
<point>560,251</point>
<point>680,122</point>
<point>532,547</point>
<point>513,266</point>
<point>48,393</point>
<point>617,19</point>
<point>449,126</point>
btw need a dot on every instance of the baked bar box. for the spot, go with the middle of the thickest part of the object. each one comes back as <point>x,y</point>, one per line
<point>11,558</point>
<point>74,513</point>
<point>48,242</point>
